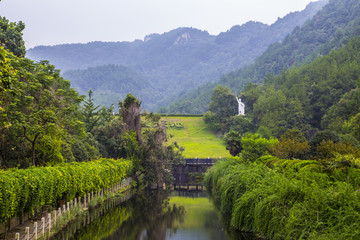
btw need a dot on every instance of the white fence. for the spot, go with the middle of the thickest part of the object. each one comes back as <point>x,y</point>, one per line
<point>49,221</point>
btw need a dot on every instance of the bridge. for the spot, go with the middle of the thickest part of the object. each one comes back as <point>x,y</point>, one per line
<point>190,175</point>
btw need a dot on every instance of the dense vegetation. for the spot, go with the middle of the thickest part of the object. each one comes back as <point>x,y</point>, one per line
<point>25,190</point>
<point>291,199</point>
<point>47,126</point>
<point>172,63</point>
<point>322,95</point>
<point>110,82</point>
<point>296,174</point>
<point>330,28</point>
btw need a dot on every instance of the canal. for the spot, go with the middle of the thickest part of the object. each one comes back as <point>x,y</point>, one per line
<point>153,215</point>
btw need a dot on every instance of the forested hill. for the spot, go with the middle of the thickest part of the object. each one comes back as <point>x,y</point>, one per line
<point>329,29</point>
<point>110,82</point>
<point>176,61</point>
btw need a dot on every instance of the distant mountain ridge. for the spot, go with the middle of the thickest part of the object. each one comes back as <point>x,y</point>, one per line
<point>174,62</point>
<point>329,29</point>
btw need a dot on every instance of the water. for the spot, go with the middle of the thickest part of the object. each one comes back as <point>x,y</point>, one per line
<point>153,216</point>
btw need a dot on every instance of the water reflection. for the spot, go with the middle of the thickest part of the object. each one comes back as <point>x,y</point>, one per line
<point>152,216</point>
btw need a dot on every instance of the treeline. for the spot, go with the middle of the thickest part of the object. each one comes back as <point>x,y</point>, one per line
<point>296,174</point>
<point>321,95</point>
<point>43,121</point>
<point>173,62</point>
<point>318,100</point>
<point>331,28</point>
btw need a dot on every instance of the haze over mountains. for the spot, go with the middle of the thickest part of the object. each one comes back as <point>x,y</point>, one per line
<point>329,29</point>
<point>164,67</point>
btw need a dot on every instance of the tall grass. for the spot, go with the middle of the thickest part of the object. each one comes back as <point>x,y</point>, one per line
<point>294,200</point>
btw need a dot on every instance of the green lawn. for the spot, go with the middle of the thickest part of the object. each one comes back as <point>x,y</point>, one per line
<point>196,137</point>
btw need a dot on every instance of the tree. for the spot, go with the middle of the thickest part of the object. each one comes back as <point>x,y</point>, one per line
<point>222,107</point>
<point>255,146</point>
<point>131,115</point>
<point>91,113</point>
<point>233,142</point>
<point>41,112</point>
<point>11,36</point>
<point>223,102</point>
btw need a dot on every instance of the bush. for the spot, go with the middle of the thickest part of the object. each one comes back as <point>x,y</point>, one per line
<point>255,146</point>
<point>24,190</point>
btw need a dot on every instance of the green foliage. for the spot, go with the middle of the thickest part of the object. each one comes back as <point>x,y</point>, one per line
<point>25,190</point>
<point>39,113</point>
<point>255,146</point>
<point>91,117</point>
<point>325,135</point>
<point>354,126</point>
<point>177,125</point>
<point>11,36</point>
<point>233,142</point>
<point>223,102</point>
<point>296,200</point>
<point>223,105</point>
<point>289,149</point>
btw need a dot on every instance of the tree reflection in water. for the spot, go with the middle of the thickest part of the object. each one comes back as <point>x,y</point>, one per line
<point>152,215</point>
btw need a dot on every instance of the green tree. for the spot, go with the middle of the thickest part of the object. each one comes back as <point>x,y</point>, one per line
<point>233,142</point>
<point>255,146</point>
<point>11,36</point>
<point>223,102</point>
<point>91,112</point>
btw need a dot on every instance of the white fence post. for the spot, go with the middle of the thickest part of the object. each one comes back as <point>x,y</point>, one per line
<point>43,225</point>
<point>36,230</point>
<point>55,217</point>
<point>27,230</point>
<point>49,218</point>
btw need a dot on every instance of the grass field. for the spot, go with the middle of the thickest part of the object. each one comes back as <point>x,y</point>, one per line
<point>197,138</point>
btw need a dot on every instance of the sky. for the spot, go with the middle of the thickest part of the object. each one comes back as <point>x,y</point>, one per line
<point>51,22</point>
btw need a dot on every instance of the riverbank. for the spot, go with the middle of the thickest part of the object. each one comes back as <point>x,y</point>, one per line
<point>50,222</point>
<point>291,199</point>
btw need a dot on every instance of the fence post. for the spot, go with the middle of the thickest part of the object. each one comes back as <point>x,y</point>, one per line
<point>75,202</point>
<point>55,217</point>
<point>17,236</point>
<point>43,225</point>
<point>36,230</point>
<point>27,232</point>
<point>49,218</point>
<point>89,197</point>
<point>68,206</point>
<point>64,208</point>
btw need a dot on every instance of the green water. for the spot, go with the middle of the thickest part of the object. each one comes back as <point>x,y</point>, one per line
<point>152,216</point>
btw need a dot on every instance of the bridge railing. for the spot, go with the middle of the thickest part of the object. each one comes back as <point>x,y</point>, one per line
<point>200,161</point>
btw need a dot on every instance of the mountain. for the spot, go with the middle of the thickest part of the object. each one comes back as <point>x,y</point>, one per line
<point>329,29</point>
<point>176,61</point>
<point>109,82</point>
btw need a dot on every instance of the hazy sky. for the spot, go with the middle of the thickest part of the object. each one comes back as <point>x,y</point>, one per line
<point>50,22</point>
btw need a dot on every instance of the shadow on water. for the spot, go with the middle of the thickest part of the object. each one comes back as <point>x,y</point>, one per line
<point>153,215</point>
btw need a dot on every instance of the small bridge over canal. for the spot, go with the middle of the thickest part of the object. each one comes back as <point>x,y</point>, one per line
<point>190,175</point>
